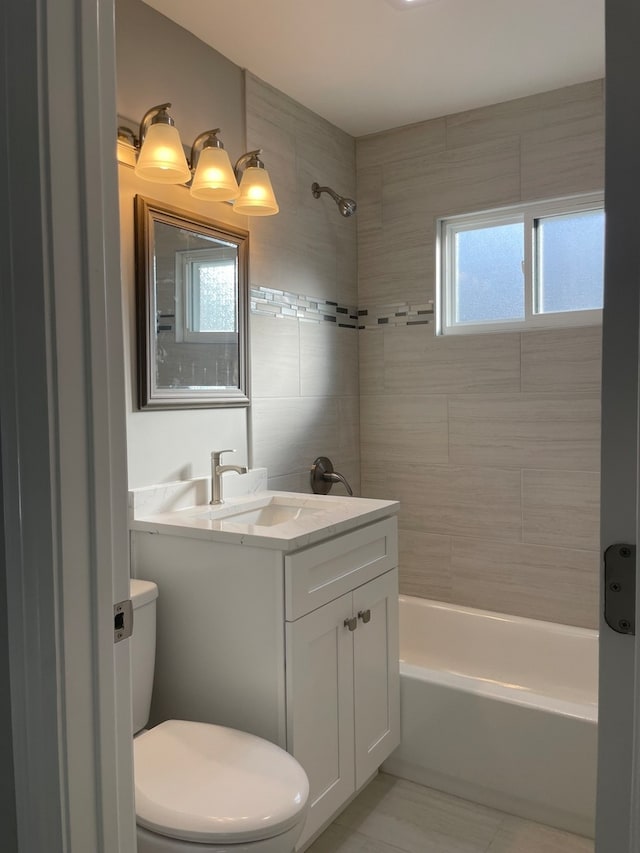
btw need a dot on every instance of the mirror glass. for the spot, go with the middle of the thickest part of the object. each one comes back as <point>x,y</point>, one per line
<point>192,309</point>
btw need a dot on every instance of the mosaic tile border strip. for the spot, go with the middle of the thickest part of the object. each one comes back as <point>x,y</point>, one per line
<point>400,314</point>
<point>268,302</point>
<point>281,303</point>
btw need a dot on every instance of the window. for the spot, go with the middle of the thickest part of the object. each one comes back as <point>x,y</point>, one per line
<point>206,298</point>
<point>530,266</point>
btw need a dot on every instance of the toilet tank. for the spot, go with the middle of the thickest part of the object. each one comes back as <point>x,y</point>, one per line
<point>142,647</point>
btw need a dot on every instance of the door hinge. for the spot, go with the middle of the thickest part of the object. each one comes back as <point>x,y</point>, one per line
<point>122,620</point>
<point>620,588</point>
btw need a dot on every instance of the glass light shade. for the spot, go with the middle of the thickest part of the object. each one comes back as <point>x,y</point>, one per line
<point>161,157</point>
<point>214,179</point>
<point>256,194</point>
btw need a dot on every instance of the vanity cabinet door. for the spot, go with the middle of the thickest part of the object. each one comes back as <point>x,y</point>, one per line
<point>376,674</point>
<point>320,728</point>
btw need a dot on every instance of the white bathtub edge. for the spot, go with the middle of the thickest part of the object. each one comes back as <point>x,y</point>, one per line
<point>502,693</point>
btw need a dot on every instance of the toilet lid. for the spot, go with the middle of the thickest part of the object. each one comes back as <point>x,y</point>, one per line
<point>205,783</point>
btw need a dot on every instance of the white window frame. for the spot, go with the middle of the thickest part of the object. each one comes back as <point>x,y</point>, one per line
<point>184,262</point>
<point>447,227</point>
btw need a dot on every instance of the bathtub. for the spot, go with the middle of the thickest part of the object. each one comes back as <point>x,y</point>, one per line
<point>499,710</point>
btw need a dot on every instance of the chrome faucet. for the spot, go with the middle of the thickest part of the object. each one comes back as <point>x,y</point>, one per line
<point>217,470</point>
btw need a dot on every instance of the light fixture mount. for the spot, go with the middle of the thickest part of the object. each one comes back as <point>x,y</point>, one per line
<point>160,157</point>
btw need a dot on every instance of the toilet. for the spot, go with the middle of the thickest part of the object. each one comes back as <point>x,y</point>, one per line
<point>203,788</point>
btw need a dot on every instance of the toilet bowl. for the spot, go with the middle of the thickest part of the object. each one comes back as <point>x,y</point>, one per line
<point>203,788</point>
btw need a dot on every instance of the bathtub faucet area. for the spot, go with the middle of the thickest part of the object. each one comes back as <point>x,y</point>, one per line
<point>217,470</point>
<point>323,477</point>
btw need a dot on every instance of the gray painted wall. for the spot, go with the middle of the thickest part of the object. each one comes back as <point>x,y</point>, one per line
<point>157,61</point>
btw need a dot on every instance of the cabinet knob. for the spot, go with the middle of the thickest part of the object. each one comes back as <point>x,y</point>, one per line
<point>351,623</point>
<point>365,615</point>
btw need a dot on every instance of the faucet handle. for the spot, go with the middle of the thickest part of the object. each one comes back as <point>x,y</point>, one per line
<point>216,455</point>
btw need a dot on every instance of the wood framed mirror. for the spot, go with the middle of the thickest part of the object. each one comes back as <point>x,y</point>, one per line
<point>192,309</point>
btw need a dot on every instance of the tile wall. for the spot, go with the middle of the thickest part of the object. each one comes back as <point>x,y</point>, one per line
<point>491,442</point>
<point>304,340</point>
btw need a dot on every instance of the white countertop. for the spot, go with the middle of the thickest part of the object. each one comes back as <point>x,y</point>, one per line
<point>319,517</point>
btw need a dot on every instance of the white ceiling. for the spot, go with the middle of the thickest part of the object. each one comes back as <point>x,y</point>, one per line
<point>367,65</point>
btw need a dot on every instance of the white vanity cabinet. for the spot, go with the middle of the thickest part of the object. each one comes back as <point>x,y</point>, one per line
<point>298,645</point>
<point>343,692</point>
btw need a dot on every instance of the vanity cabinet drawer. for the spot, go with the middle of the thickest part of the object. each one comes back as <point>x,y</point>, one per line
<point>324,572</point>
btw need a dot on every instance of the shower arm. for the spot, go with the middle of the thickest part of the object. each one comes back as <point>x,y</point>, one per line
<point>346,206</point>
<point>316,189</point>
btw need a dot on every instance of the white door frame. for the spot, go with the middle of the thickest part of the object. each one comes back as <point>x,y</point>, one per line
<point>62,429</point>
<point>618,757</point>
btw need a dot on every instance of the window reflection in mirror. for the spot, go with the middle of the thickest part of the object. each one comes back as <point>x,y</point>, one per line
<point>192,305</point>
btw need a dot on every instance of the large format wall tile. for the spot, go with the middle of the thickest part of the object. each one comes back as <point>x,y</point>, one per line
<point>328,360</point>
<point>457,180</point>
<point>561,508</point>
<point>298,482</point>
<point>563,159</point>
<point>308,248</point>
<point>418,362</point>
<point>371,361</point>
<point>526,430</point>
<point>526,114</point>
<point>347,437</point>
<point>554,584</point>
<point>305,374</point>
<point>289,433</point>
<point>414,140</point>
<point>425,565</point>
<point>450,500</point>
<point>396,261</point>
<point>404,428</point>
<point>522,418</point>
<point>562,359</point>
<point>393,267</point>
<point>275,357</point>
<point>369,197</point>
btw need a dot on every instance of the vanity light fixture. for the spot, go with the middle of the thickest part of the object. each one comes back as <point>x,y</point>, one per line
<point>161,158</point>
<point>256,193</point>
<point>213,178</point>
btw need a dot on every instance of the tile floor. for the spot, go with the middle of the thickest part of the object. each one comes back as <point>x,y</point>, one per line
<point>395,816</point>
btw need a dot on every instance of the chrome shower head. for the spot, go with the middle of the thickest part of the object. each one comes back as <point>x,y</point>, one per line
<point>346,206</point>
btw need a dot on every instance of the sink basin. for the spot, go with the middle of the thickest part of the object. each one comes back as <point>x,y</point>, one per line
<point>257,518</point>
<point>267,512</point>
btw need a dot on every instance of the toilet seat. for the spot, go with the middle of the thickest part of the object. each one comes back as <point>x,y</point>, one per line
<point>210,784</point>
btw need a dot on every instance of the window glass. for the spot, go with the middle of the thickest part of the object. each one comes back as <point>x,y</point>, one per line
<point>571,262</point>
<point>214,297</point>
<point>533,265</point>
<point>489,278</point>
